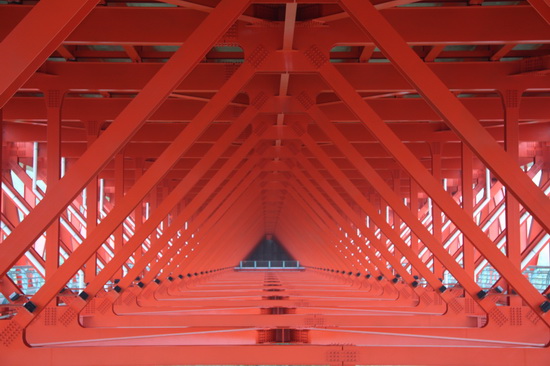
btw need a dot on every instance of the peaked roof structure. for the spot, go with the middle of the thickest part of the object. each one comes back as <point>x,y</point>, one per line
<point>397,149</point>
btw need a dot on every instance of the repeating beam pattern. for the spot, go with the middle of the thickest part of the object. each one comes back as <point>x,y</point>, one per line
<point>400,157</point>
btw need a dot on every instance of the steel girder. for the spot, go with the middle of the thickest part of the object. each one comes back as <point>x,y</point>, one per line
<point>413,192</point>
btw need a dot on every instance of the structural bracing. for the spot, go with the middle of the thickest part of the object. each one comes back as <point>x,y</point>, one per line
<point>310,182</point>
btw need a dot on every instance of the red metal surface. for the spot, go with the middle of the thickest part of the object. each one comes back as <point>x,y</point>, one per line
<point>397,149</point>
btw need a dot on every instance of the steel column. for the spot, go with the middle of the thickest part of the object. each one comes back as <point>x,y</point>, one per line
<point>41,31</point>
<point>54,99</point>
<point>120,131</point>
<point>411,164</point>
<point>458,118</point>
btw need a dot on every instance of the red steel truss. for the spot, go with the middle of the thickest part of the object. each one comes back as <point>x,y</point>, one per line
<point>398,150</point>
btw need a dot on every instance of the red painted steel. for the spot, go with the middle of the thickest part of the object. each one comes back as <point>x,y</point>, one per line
<point>399,156</point>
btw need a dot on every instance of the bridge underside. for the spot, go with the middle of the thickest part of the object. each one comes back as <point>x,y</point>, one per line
<point>155,154</point>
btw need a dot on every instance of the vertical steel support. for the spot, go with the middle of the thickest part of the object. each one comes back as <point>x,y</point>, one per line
<point>467,206</point>
<point>368,207</point>
<point>368,232</point>
<point>440,197</point>
<point>177,194</point>
<point>437,219</point>
<point>511,101</point>
<point>236,218</point>
<point>41,32</point>
<point>92,198</point>
<point>300,224</point>
<point>458,117</point>
<point>340,219</point>
<point>119,197</point>
<point>204,194</point>
<point>396,177</point>
<point>247,230</point>
<point>316,214</point>
<point>121,130</point>
<point>223,215</point>
<point>405,156</point>
<point>413,205</point>
<point>138,212</point>
<point>54,101</point>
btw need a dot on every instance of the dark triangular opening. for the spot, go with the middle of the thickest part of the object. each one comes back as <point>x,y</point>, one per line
<point>269,250</point>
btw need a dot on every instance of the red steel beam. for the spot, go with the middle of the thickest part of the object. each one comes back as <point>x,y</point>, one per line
<point>149,179</point>
<point>54,100</point>
<point>429,26</point>
<point>239,204</point>
<point>370,210</point>
<point>241,222</point>
<point>411,164</point>
<point>324,224</point>
<point>211,216</point>
<point>127,123</point>
<point>150,224</point>
<point>191,207</point>
<point>209,77</point>
<point>296,354</point>
<point>458,118</point>
<point>346,209</point>
<point>542,7</point>
<point>41,31</point>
